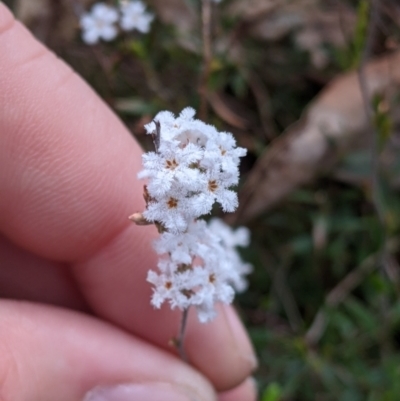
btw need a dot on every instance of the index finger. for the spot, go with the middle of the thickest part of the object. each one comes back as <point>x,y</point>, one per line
<point>68,176</point>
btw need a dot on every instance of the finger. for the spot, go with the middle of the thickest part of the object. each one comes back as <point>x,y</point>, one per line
<point>29,277</point>
<point>68,177</point>
<point>247,391</point>
<point>51,354</point>
<point>68,165</point>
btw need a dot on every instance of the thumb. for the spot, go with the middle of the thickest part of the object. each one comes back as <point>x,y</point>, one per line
<point>52,354</point>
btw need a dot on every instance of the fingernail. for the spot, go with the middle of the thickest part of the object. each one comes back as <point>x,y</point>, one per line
<point>139,392</point>
<point>244,346</point>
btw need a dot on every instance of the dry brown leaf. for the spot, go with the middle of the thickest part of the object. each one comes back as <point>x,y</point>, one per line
<point>271,20</point>
<point>331,126</point>
<point>251,9</point>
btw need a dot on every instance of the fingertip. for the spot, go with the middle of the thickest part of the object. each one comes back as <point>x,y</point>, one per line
<point>226,355</point>
<point>246,391</point>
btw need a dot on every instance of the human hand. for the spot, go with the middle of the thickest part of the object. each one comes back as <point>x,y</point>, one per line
<point>68,182</point>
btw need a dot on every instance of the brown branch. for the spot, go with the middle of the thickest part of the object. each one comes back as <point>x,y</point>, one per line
<point>181,338</point>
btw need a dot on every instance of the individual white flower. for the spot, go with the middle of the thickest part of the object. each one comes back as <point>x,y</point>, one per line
<point>170,165</point>
<point>226,152</point>
<point>184,129</point>
<point>206,312</point>
<point>215,286</point>
<point>184,247</point>
<point>229,240</point>
<point>217,189</point>
<point>169,210</point>
<point>172,288</point>
<point>230,237</point>
<point>135,16</point>
<point>99,24</point>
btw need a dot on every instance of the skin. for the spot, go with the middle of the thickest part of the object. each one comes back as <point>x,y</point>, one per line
<point>74,308</point>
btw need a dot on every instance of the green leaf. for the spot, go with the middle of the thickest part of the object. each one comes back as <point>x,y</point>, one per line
<point>272,393</point>
<point>137,48</point>
<point>360,34</point>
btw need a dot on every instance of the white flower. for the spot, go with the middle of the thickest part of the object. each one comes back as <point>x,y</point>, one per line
<point>175,289</point>
<point>206,312</point>
<point>230,238</point>
<point>198,268</point>
<point>169,210</point>
<point>99,24</point>
<point>135,16</point>
<point>172,165</point>
<point>225,152</point>
<point>217,189</point>
<point>193,167</point>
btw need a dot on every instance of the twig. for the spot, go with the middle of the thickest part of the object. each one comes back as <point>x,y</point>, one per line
<point>181,338</point>
<point>207,57</point>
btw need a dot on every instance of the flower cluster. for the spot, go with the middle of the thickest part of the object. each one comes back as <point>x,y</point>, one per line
<point>101,21</point>
<point>198,268</point>
<point>193,167</point>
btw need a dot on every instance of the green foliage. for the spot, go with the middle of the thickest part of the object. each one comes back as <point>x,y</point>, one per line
<point>361,30</point>
<point>350,57</point>
<point>273,392</point>
<point>382,120</point>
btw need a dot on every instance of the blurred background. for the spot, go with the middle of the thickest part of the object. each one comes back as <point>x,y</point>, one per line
<point>311,88</point>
